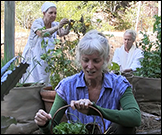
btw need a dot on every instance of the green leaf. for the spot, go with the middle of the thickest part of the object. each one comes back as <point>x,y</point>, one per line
<point>47,34</point>
<point>57,41</point>
<point>69,128</point>
<point>6,122</point>
<point>114,67</point>
<point>43,28</point>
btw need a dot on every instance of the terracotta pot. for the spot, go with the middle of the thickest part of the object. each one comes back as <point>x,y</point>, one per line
<point>48,97</point>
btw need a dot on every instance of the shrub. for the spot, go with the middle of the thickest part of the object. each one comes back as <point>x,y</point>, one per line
<point>151,63</point>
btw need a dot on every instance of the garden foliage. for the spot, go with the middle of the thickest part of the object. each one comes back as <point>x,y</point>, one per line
<point>61,59</point>
<point>151,64</point>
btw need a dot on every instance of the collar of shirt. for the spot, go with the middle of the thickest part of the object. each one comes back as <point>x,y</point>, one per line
<point>81,82</point>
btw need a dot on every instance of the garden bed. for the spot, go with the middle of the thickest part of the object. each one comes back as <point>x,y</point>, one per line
<point>150,124</point>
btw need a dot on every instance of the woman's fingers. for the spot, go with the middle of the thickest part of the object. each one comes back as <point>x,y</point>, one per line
<point>81,104</point>
<point>42,117</point>
<point>63,22</point>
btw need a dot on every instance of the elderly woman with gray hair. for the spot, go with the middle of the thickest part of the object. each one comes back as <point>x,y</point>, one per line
<point>94,86</point>
<point>128,55</point>
<point>33,49</point>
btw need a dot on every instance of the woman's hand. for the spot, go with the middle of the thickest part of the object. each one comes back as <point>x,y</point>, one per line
<point>63,22</point>
<point>81,105</point>
<point>42,117</point>
<point>64,31</point>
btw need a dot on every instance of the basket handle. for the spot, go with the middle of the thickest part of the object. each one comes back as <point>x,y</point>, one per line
<point>68,106</point>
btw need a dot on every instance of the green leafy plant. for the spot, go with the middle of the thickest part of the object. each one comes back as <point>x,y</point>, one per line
<point>9,79</point>
<point>6,122</point>
<point>76,126</point>
<point>151,63</point>
<point>23,83</point>
<point>58,59</point>
<point>81,26</point>
<point>114,67</point>
<point>70,128</point>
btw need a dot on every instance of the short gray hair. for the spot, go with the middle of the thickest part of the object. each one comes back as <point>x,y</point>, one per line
<point>91,42</point>
<point>132,32</point>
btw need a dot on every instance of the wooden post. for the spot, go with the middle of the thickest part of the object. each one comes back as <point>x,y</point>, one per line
<point>9,29</point>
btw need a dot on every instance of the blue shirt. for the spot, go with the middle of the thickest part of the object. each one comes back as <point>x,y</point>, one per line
<point>74,88</point>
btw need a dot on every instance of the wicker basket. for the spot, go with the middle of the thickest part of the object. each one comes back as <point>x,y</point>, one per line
<point>87,125</point>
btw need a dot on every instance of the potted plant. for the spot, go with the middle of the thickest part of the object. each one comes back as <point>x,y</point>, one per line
<point>21,102</point>
<point>147,79</point>
<point>9,79</point>
<point>60,60</point>
<point>59,66</point>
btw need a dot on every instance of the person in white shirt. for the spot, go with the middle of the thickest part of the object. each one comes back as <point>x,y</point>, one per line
<point>128,55</point>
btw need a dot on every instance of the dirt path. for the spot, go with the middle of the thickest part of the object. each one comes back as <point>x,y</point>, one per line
<point>21,40</point>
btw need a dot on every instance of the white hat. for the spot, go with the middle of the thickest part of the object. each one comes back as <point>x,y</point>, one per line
<point>46,6</point>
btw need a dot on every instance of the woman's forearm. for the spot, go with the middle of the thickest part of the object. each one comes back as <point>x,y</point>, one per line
<point>49,31</point>
<point>46,32</point>
<point>58,102</point>
<point>128,116</point>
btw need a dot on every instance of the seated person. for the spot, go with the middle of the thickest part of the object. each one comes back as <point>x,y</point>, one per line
<point>128,55</point>
<point>94,86</point>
